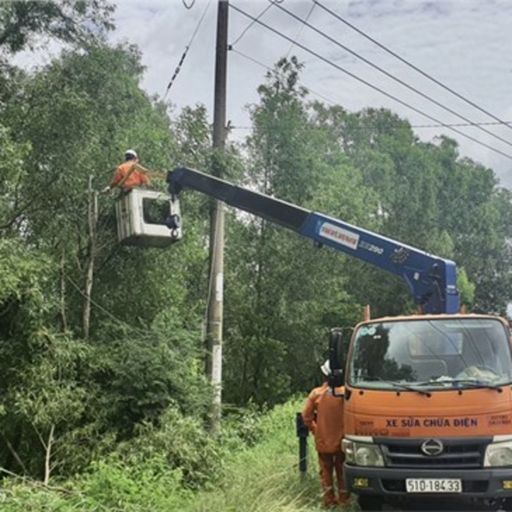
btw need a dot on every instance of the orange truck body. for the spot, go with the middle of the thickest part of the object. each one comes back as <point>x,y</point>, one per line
<point>405,424</point>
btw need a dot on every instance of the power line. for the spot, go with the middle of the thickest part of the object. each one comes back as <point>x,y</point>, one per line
<point>106,311</point>
<point>335,103</point>
<point>180,63</point>
<point>352,75</point>
<point>416,68</point>
<point>301,28</point>
<point>374,126</point>
<point>252,59</point>
<point>368,126</point>
<point>461,124</point>
<point>393,77</point>
<point>242,34</point>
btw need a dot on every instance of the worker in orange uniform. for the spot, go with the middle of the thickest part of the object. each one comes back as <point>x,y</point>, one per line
<point>129,174</point>
<point>323,415</point>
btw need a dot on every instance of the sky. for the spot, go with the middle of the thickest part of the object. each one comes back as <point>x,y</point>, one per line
<point>465,44</point>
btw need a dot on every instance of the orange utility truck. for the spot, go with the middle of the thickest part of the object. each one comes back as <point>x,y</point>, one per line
<point>428,410</point>
<point>428,398</point>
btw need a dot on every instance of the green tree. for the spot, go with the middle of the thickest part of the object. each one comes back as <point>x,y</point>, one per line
<point>70,21</point>
<point>282,294</point>
<point>72,121</point>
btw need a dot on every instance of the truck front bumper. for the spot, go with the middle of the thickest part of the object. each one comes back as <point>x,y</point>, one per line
<point>476,483</point>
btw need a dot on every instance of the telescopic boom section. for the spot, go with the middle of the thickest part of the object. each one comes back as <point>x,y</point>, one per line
<point>432,281</point>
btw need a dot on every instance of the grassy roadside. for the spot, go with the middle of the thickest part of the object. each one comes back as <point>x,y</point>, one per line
<point>265,477</point>
<point>261,478</point>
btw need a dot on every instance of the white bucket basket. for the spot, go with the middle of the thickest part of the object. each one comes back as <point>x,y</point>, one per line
<point>147,218</point>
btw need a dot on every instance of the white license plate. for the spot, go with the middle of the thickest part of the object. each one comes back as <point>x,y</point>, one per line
<point>433,485</point>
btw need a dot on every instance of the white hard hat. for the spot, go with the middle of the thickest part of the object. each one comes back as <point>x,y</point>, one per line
<point>326,368</point>
<point>131,152</point>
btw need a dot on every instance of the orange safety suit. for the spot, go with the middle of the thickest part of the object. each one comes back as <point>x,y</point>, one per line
<point>323,415</point>
<point>128,176</point>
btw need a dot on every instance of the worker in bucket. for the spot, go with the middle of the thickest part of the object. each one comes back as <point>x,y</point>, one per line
<point>323,415</point>
<point>129,174</point>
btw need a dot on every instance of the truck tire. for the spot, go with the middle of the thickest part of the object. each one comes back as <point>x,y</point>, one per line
<point>506,505</point>
<point>369,503</point>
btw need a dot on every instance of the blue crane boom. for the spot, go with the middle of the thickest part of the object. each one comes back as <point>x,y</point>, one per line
<point>432,281</point>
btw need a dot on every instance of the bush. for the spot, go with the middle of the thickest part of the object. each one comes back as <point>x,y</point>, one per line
<point>114,485</point>
<point>162,468</point>
<point>182,442</point>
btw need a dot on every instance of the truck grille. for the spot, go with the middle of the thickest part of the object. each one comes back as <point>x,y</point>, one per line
<point>457,453</point>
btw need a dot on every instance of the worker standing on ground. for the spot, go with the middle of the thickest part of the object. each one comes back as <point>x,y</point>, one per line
<point>323,415</point>
<point>129,174</point>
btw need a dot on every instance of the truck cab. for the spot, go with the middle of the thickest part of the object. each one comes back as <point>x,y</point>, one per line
<point>428,409</point>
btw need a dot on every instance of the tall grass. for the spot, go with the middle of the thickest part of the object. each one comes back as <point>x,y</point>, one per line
<point>260,478</point>
<point>265,478</point>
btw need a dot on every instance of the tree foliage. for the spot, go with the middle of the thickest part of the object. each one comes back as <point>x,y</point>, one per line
<point>67,398</point>
<point>70,21</point>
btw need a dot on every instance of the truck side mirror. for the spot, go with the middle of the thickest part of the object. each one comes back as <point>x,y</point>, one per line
<point>336,361</point>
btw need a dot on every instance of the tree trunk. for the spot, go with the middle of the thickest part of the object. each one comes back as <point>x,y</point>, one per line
<point>89,276</point>
<point>48,455</point>
<point>13,451</point>
<point>63,317</point>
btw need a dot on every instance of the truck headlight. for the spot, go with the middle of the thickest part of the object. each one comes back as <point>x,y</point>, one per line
<point>362,454</point>
<point>498,454</point>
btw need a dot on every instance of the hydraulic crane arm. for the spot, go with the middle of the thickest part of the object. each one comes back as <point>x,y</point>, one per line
<point>432,281</point>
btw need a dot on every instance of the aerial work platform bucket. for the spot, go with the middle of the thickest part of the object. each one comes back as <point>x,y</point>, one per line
<point>147,218</point>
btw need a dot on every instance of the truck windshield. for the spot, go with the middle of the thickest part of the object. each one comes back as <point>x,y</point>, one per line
<point>462,353</point>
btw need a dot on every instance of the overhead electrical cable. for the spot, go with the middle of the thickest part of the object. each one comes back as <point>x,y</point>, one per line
<point>411,65</point>
<point>300,29</point>
<point>490,123</point>
<point>242,34</point>
<point>187,48</point>
<point>252,59</point>
<point>105,310</point>
<point>393,77</point>
<point>376,88</point>
<point>461,124</point>
<point>374,126</point>
<point>333,102</point>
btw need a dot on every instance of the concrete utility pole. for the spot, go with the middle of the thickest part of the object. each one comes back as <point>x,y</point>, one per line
<point>216,286</point>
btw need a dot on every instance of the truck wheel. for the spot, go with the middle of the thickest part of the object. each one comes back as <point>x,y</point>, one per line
<point>506,505</point>
<point>368,503</point>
